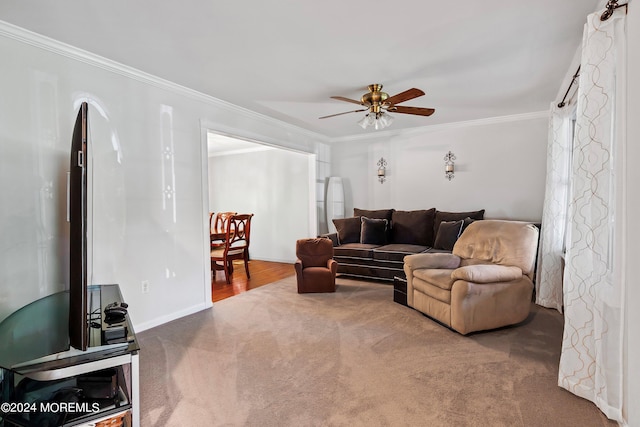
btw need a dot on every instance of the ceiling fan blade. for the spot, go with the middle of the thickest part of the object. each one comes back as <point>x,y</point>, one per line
<point>404,96</point>
<point>418,111</point>
<point>342,98</point>
<point>339,114</point>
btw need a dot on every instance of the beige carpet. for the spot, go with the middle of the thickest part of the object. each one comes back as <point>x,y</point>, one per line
<point>272,357</point>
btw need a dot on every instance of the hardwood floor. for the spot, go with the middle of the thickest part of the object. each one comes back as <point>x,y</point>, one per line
<point>262,273</point>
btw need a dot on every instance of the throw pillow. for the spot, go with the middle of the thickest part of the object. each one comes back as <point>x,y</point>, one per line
<point>413,227</point>
<point>467,222</point>
<point>348,229</point>
<point>377,214</point>
<point>448,234</point>
<point>455,216</point>
<point>373,231</point>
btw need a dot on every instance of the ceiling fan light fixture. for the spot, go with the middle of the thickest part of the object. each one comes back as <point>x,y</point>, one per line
<point>377,125</point>
<point>379,120</point>
<point>364,122</point>
<point>386,119</point>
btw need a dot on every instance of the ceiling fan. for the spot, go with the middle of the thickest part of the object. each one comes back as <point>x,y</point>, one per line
<point>379,103</point>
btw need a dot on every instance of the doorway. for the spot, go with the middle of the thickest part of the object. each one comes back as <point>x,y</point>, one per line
<point>276,184</point>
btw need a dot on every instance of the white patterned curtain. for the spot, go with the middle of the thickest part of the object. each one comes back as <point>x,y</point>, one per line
<point>591,362</point>
<point>554,214</point>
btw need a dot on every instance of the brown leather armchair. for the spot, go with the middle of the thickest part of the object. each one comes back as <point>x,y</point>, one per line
<point>315,267</point>
<point>484,284</point>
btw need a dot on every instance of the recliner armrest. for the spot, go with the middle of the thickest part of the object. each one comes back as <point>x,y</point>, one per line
<point>428,260</point>
<point>487,273</point>
<point>434,260</point>
<point>332,265</point>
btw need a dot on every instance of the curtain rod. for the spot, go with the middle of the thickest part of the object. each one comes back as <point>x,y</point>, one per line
<point>573,80</point>
<point>612,5</point>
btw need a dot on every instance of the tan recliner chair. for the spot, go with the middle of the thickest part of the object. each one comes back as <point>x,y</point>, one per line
<point>315,267</point>
<point>484,284</point>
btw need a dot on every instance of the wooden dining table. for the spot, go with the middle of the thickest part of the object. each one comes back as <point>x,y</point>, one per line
<point>218,234</point>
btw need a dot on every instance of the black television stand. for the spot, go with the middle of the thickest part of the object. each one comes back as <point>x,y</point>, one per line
<point>43,380</point>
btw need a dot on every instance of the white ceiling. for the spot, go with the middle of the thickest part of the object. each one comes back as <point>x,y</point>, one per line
<point>285,58</point>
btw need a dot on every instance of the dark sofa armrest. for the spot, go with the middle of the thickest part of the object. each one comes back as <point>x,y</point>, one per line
<point>332,236</point>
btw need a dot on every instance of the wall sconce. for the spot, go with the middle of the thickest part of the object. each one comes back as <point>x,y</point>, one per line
<point>382,172</point>
<point>449,166</point>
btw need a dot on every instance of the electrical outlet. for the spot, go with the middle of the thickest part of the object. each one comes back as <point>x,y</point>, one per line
<point>145,286</point>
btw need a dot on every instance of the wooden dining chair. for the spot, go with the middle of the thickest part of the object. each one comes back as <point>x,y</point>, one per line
<point>218,228</point>
<point>222,218</point>
<point>235,246</point>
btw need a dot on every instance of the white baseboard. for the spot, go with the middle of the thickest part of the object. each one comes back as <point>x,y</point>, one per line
<point>171,316</point>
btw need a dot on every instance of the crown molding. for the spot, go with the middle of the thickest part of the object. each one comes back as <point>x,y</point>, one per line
<point>443,126</point>
<point>57,47</point>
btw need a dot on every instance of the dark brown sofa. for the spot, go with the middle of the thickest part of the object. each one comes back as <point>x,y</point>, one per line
<point>373,243</point>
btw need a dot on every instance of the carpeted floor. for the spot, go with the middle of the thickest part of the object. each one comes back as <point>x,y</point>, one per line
<point>272,357</point>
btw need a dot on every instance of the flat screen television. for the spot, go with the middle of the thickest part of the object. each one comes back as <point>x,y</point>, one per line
<point>78,195</point>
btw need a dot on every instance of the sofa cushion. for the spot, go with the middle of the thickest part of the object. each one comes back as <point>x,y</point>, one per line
<point>348,229</point>
<point>487,273</point>
<point>413,227</point>
<point>454,216</point>
<point>448,233</point>
<point>373,231</point>
<point>354,250</point>
<point>396,251</point>
<point>375,214</point>
<point>473,261</point>
<point>438,251</point>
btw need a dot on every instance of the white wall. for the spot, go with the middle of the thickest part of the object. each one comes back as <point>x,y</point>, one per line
<point>273,184</point>
<point>500,167</point>
<point>632,385</point>
<point>150,213</point>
